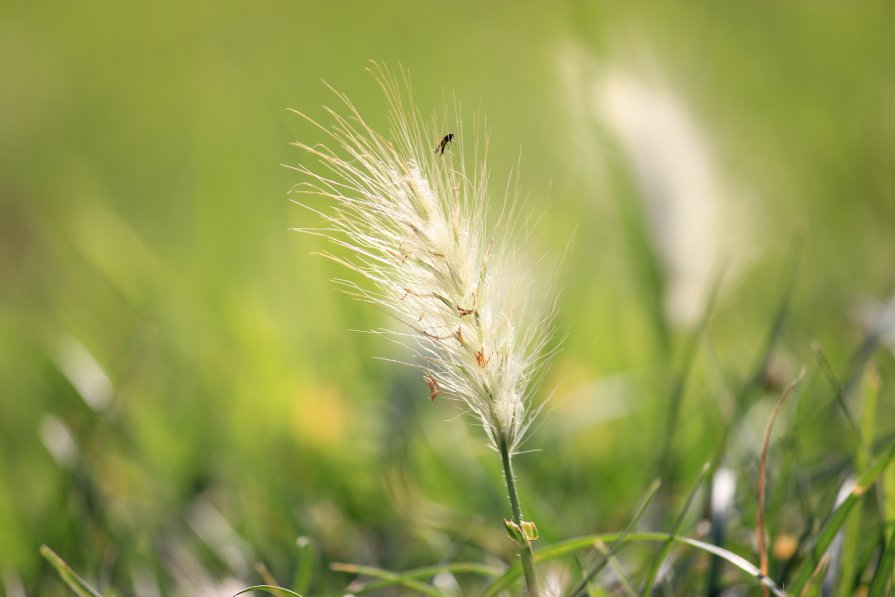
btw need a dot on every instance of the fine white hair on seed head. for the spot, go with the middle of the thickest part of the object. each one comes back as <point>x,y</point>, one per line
<point>412,220</point>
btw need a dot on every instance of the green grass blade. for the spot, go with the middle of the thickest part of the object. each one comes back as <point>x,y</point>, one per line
<point>790,274</point>
<point>621,575</point>
<point>409,578</point>
<point>840,395</point>
<point>889,496</point>
<point>570,546</point>
<point>646,263</point>
<point>307,557</point>
<point>278,591</point>
<point>667,463</point>
<point>883,575</point>
<point>759,372</point>
<point>837,519</point>
<point>663,553</point>
<point>851,537</point>
<point>77,584</point>
<point>641,510</point>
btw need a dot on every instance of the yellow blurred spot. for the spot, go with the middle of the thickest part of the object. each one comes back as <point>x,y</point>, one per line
<point>567,377</point>
<point>784,547</point>
<point>320,416</point>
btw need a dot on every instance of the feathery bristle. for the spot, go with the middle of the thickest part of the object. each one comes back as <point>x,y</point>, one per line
<point>414,222</point>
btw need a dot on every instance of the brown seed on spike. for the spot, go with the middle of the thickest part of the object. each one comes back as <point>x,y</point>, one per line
<point>481,359</point>
<point>434,391</point>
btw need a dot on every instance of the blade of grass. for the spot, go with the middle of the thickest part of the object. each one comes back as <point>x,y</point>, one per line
<point>860,358</point>
<point>754,382</point>
<point>870,551</point>
<point>666,465</point>
<point>77,584</point>
<point>569,546</point>
<point>409,578</point>
<point>645,260</point>
<point>837,519</point>
<point>641,510</point>
<point>834,553</point>
<point>790,273</point>
<point>663,553</point>
<point>620,573</point>
<point>760,538</point>
<point>888,499</point>
<point>883,575</point>
<point>278,591</point>
<point>305,570</point>
<point>840,395</point>
<point>851,537</point>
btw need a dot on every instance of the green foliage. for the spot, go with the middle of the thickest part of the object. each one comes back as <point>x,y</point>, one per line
<point>180,397</point>
<point>829,530</point>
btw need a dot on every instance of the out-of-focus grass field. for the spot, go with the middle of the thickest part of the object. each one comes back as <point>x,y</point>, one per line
<point>180,394</point>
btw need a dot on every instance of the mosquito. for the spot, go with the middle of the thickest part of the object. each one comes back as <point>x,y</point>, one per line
<point>444,143</point>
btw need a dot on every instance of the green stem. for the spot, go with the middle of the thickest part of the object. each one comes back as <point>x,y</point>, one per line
<point>525,551</point>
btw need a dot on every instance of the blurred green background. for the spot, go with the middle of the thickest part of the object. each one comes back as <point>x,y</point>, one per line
<point>180,394</point>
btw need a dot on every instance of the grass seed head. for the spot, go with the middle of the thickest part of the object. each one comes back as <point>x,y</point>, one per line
<point>412,221</point>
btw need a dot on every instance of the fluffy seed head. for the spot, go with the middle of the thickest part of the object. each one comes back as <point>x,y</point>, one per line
<point>413,220</point>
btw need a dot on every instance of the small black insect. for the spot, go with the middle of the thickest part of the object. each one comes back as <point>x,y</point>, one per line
<point>441,146</point>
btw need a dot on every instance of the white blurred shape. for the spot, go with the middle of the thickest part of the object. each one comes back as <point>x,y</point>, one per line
<point>447,583</point>
<point>58,440</point>
<point>214,529</point>
<point>695,226</point>
<point>190,576</point>
<point>555,581</point>
<point>878,319</point>
<point>673,168</point>
<point>12,584</point>
<point>145,583</point>
<point>723,491</point>
<point>84,373</point>
<point>835,550</point>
